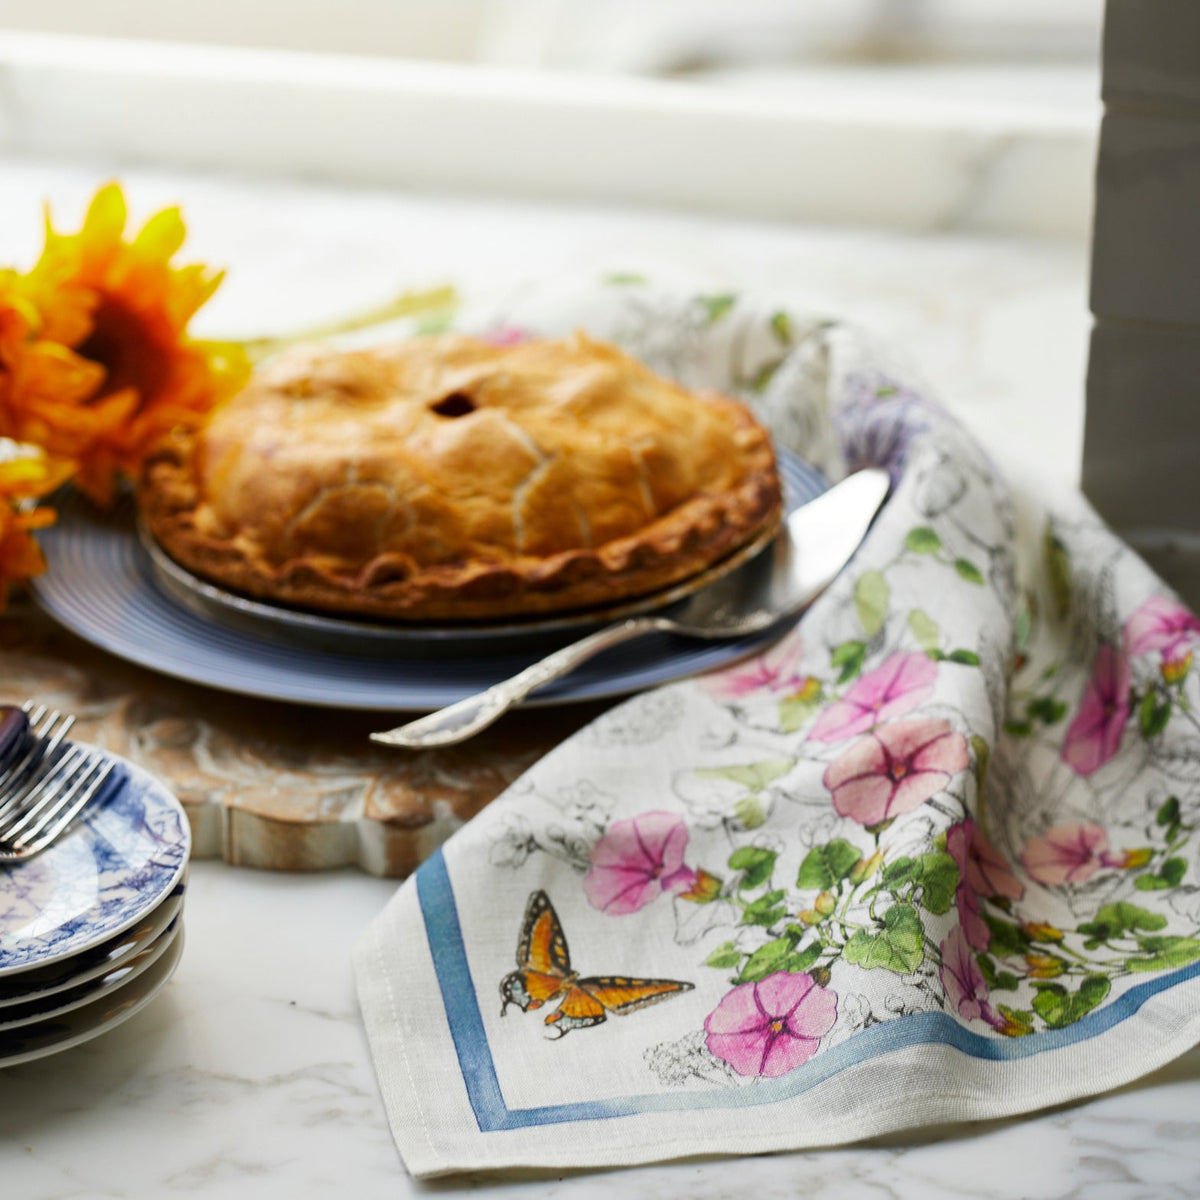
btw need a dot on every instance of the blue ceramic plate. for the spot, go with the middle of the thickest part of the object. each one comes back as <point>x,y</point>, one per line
<point>100,584</point>
<point>118,863</point>
<point>42,1009</point>
<point>88,1021</point>
<point>44,983</point>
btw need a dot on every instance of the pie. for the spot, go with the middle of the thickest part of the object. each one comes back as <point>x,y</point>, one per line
<point>447,478</point>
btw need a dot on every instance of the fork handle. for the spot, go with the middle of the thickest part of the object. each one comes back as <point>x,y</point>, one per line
<point>462,720</point>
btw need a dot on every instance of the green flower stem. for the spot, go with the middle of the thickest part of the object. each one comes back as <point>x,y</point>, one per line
<point>407,304</point>
<point>855,925</point>
<point>847,901</point>
<point>1067,952</point>
<point>1172,850</point>
<point>1083,968</point>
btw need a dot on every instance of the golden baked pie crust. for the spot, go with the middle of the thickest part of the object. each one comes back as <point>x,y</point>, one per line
<point>450,479</point>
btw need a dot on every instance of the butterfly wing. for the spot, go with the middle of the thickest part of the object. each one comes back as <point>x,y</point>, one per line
<point>542,945</point>
<point>578,1010</point>
<point>621,995</point>
<point>543,960</point>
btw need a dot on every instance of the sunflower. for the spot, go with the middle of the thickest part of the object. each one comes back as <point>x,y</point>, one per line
<point>46,389</point>
<point>121,306</point>
<point>26,473</point>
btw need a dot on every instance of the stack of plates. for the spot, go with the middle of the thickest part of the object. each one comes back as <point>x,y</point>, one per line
<point>92,927</point>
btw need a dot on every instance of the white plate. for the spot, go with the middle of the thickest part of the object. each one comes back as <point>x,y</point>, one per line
<point>118,864</point>
<point>41,1010</point>
<point>91,1020</point>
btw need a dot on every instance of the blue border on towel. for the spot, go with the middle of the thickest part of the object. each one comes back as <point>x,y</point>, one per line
<point>436,898</point>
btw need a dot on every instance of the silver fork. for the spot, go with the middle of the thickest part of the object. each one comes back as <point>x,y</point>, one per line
<point>52,805</point>
<point>46,786</point>
<point>47,728</point>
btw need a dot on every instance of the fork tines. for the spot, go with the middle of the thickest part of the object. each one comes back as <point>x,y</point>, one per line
<point>72,784</point>
<point>46,786</point>
<point>47,728</point>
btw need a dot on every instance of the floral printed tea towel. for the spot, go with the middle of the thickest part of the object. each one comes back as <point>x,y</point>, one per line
<point>933,856</point>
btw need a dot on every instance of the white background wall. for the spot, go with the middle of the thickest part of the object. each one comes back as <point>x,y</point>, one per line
<point>623,35</point>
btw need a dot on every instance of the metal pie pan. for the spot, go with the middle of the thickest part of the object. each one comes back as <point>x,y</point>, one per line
<point>320,631</point>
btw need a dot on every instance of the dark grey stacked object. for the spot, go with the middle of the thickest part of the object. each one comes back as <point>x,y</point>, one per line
<point>1142,436</point>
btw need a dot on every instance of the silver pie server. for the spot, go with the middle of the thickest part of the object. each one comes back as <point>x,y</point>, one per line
<point>806,556</point>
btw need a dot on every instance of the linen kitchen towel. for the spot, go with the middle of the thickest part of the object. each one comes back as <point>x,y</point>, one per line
<point>932,856</point>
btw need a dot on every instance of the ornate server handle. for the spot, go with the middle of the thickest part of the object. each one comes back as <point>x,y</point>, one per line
<point>462,720</point>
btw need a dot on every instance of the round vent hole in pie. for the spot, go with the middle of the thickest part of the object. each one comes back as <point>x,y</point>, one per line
<point>457,404</point>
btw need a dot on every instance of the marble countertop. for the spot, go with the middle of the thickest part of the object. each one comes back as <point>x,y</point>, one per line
<point>249,1076</point>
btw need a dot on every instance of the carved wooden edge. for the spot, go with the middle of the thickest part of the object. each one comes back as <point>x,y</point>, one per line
<point>267,784</point>
<point>245,838</point>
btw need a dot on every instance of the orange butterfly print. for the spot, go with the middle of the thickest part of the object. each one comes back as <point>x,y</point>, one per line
<point>544,975</point>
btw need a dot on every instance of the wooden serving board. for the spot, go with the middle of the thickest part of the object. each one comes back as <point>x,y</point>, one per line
<point>267,784</point>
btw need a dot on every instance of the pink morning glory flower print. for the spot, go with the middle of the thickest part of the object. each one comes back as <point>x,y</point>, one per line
<point>982,871</point>
<point>1161,623</point>
<point>892,689</point>
<point>772,1026</point>
<point>1068,854</point>
<point>895,769</point>
<point>966,897</point>
<point>1095,734</point>
<point>970,917</point>
<point>981,866</point>
<point>966,988</point>
<point>774,671</point>
<point>636,861</point>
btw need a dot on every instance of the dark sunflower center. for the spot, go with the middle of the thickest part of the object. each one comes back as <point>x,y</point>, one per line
<point>123,345</point>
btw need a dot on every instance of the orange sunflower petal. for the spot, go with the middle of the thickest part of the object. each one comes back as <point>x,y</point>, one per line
<point>33,474</point>
<point>43,392</point>
<point>20,556</point>
<point>26,472</point>
<point>104,224</point>
<point>37,518</point>
<point>162,235</point>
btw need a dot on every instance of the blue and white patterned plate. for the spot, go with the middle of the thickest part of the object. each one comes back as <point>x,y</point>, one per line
<point>42,983</point>
<point>99,583</point>
<point>88,1021</point>
<point>42,1009</point>
<point>108,872</point>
